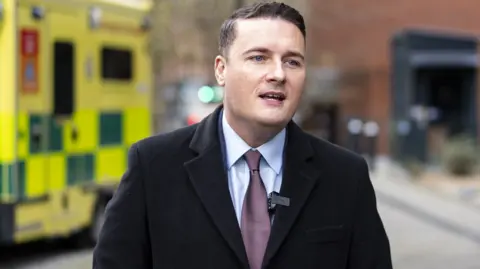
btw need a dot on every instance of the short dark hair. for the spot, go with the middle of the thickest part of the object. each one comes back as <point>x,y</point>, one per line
<point>265,9</point>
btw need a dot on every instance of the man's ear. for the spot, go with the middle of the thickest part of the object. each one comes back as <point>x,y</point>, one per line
<point>220,70</point>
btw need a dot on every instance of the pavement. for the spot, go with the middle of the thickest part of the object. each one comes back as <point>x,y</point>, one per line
<point>419,244</point>
<point>427,230</point>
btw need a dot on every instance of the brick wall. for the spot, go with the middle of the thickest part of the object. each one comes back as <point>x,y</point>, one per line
<point>357,34</point>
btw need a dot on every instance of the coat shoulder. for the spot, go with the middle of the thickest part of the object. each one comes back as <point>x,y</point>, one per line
<point>327,150</point>
<point>165,143</point>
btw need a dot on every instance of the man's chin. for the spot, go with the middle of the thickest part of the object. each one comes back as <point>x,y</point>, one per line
<point>273,121</point>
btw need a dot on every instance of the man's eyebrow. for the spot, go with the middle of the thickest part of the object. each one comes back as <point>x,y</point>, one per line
<point>295,54</point>
<point>256,49</point>
<point>289,53</point>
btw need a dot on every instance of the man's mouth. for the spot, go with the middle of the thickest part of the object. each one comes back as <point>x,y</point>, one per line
<point>273,96</point>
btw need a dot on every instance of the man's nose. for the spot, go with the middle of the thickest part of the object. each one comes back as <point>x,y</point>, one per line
<point>276,73</point>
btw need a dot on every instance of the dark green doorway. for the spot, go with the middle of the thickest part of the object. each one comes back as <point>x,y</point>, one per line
<point>446,94</point>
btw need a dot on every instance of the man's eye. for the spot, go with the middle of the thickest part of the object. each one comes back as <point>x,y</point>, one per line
<point>293,63</point>
<point>258,58</point>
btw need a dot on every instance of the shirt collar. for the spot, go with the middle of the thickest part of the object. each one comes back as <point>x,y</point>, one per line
<point>272,151</point>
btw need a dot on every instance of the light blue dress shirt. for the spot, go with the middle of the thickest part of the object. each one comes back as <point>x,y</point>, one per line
<point>238,173</point>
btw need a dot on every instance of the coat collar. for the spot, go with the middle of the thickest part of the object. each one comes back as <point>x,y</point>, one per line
<point>209,178</point>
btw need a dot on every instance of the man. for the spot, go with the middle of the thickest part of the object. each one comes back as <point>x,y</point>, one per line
<point>197,197</point>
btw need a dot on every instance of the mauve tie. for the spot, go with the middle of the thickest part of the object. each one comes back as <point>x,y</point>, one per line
<point>255,222</point>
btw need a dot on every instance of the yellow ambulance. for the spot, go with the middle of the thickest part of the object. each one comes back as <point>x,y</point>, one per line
<point>75,92</point>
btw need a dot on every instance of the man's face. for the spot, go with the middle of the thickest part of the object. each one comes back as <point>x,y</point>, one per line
<point>264,73</point>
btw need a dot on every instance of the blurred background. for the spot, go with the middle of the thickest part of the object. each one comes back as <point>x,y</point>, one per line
<point>80,81</point>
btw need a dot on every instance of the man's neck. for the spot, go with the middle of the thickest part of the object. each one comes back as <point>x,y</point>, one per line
<point>254,135</point>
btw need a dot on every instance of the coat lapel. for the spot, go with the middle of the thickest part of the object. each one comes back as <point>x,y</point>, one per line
<point>208,176</point>
<point>299,178</point>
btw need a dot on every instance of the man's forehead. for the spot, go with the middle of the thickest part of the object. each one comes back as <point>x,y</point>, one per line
<point>268,32</point>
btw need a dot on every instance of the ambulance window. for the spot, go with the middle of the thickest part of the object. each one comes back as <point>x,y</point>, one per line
<point>116,63</point>
<point>63,81</point>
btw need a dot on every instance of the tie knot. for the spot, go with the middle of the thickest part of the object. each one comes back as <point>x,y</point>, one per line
<point>253,159</point>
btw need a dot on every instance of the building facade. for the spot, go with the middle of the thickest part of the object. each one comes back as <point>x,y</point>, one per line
<point>363,41</point>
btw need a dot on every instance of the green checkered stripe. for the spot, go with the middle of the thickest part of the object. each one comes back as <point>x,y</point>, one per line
<point>80,167</point>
